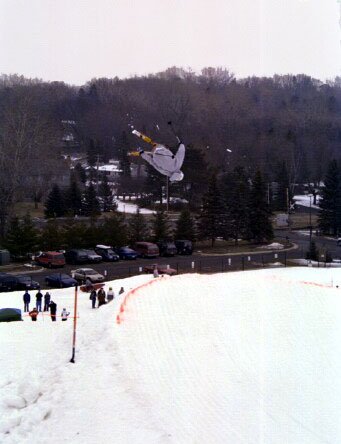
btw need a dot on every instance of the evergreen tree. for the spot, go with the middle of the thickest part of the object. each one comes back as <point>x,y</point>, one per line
<point>74,198</point>
<point>185,226</point>
<point>260,215</point>
<point>122,147</point>
<point>194,183</point>
<point>106,194</point>
<point>138,228</point>
<point>80,173</point>
<point>161,226</point>
<point>55,203</point>
<point>92,153</point>
<point>212,217</point>
<point>153,185</point>
<point>236,195</point>
<point>51,236</point>
<point>114,230</point>
<point>313,253</point>
<point>283,194</point>
<point>329,219</point>
<point>21,237</point>
<point>74,234</point>
<point>91,204</point>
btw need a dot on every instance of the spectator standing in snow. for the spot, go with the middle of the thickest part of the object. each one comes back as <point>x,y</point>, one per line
<point>64,314</point>
<point>39,297</point>
<point>34,313</point>
<point>110,294</point>
<point>101,297</point>
<point>27,300</point>
<point>93,297</point>
<point>155,272</point>
<point>88,285</point>
<point>121,290</point>
<point>47,299</point>
<point>53,310</point>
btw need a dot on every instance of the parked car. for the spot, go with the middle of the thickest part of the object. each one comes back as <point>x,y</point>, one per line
<point>50,259</point>
<point>162,269</point>
<point>93,257</point>
<point>184,246</point>
<point>107,253</point>
<point>19,282</point>
<point>146,249</point>
<point>60,280</point>
<point>167,248</point>
<point>76,256</point>
<point>82,274</point>
<point>126,253</point>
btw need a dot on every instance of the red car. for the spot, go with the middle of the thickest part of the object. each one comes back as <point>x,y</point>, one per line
<point>51,259</point>
<point>162,269</point>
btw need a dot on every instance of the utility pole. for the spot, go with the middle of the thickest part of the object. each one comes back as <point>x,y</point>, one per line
<point>74,326</point>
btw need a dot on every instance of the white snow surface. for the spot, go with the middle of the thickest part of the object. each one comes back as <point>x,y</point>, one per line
<point>304,201</point>
<point>128,207</point>
<point>244,357</point>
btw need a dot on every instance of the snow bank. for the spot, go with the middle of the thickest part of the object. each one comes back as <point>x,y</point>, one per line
<point>227,358</point>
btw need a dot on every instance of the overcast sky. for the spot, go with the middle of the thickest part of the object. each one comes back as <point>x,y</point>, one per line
<point>76,40</point>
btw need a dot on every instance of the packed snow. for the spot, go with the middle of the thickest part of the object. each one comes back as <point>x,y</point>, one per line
<point>244,357</point>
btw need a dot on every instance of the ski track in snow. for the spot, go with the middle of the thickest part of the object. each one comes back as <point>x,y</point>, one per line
<point>249,357</point>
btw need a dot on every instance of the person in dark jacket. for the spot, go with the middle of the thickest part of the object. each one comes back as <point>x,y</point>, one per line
<point>27,300</point>
<point>47,299</point>
<point>39,297</point>
<point>93,297</point>
<point>53,310</point>
<point>121,290</point>
<point>101,297</point>
<point>34,313</point>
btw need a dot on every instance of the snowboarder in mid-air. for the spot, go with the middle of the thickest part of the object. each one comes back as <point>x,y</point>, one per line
<point>162,158</point>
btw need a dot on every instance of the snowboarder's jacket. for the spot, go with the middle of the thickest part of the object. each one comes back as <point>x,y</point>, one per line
<point>27,297</point>
<point>39,296</point>
<point>164,161</point>
<point>64,314</point>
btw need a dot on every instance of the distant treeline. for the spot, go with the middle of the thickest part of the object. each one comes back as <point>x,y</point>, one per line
<point>265,122</point>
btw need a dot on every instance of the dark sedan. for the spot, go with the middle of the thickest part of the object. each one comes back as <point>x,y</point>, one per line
<point>60,280</point>
<point>126,253</point>
<point>20,282</point>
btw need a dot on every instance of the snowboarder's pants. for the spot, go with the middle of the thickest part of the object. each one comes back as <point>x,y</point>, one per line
<point>64,319</point>
<point>53,316</point>
<point>26,306</point>
<point>46,306</point>
<point>34,319</point>
<point>93,303</point>
<point>39,305</point>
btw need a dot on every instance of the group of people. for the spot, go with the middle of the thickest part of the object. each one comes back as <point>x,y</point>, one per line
<point>49,305</point>
<point>102,297</point>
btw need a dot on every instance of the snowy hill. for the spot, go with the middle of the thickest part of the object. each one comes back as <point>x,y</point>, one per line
<point>248,357</point>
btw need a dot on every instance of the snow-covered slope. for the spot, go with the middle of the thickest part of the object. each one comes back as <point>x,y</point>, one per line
<point>249,357</point>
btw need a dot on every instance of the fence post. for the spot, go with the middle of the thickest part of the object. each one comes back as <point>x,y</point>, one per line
<point>177,268</point>
<point>285,258</point>
<point>243,264</point>
<point>200,266</point>
<point>222,265</point>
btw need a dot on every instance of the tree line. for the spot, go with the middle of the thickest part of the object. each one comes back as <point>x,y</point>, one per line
<point>265,123</point>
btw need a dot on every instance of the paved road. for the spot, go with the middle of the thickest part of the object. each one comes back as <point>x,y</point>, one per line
<point>213,263</point>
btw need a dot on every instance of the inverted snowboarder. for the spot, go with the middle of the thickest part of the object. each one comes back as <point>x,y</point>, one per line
<point>162,159</point>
